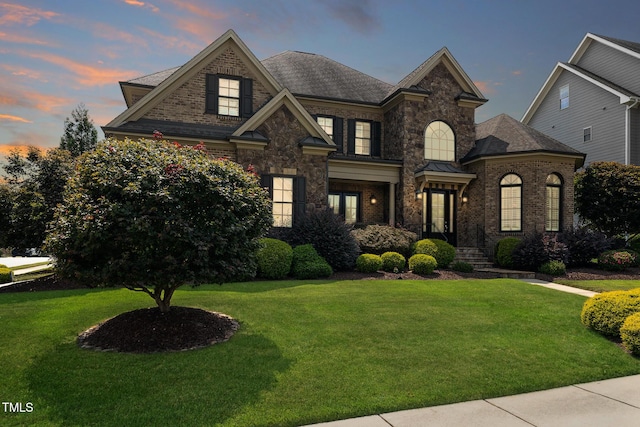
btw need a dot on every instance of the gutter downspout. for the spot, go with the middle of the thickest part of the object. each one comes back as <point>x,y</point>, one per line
<point>627,130</point>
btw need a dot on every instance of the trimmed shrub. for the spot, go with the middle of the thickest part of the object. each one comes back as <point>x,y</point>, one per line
<point>606,312</point>
<point>537,249</point>
<point>463,267</point>
<point>618,259</point>
<point>445,253</point>
<point>274,258</point>
<point>393,261</point>
<point>378,239</point>
<point>422,264</point>
<point>329,235</point>
<point>5,275</point>
<point>368,263</point>
<point>3,266</point>
<point>553,268</point>
<point>584,245</point>
<point>425,246</point>
<point>630,333</point>
<point>308,264</point>
<point>504,251</point>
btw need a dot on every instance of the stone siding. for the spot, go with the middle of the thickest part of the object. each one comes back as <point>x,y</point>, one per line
<point>283,156</point>
<point>405,126</point>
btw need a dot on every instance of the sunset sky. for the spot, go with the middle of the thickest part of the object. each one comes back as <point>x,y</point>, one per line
<point>56,55</point>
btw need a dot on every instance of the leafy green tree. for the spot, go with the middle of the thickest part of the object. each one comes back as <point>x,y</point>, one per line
<point>35,184</point>
<point>607,197</point>
<point>152,216</point>
<point>79,133</point>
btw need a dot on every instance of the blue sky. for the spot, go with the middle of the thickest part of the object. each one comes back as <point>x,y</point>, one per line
<point>55,55</point>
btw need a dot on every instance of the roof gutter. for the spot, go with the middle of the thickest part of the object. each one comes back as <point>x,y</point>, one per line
<point>633,103</point>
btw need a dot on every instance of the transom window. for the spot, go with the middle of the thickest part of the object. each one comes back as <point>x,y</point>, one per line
<point>564,97</point>
<point>228,97</point>
<point>282,202</point>
<point>553,203</point>
<point>511,203</point>
<point>439,142</point>
<point>326,123</point>
<point>363,138</point>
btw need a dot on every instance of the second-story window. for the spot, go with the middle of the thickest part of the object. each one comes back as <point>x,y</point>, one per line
<point>363,138</point>
<point>228,97</point>
<point>326,123</point>
<point>564,97</point>
<point>439,142</point>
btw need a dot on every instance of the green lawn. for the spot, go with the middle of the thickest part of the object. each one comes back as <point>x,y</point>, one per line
<point>600,285</point>
<point>306,352</point>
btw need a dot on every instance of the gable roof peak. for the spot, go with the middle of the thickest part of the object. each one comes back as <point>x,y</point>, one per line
<point>441,56</point>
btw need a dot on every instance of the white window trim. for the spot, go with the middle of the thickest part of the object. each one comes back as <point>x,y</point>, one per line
<point>584,134</point>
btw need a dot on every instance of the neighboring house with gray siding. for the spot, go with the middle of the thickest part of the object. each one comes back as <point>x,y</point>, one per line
<point>323,135</point>
<point>592,102</point>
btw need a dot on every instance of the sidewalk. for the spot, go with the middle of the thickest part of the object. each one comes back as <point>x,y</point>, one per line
<point>614,402</point>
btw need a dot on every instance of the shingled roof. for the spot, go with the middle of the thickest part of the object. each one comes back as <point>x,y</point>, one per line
<point>153,79</point>
<point>316,75</point>
<point>505,135</point>
<point>633,46</point>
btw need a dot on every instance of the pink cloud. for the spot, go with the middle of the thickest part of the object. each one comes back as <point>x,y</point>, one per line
<point>33,100</point>
<point>517,72</point>
<point>142,4</point>
<point>15,38</point>
<point>172,42</point>
<point>18,14</point>
<point>24,72</point>
<point>485,87</point>
<point>11,118</point>
<point>109,32</point>
<point>86,75</point>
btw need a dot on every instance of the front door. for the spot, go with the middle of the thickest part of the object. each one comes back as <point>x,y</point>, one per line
<point>439,215</point>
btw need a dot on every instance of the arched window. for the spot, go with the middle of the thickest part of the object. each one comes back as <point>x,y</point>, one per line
<point>511,203</point>
<point>439,142</point>
<point>553,203</point>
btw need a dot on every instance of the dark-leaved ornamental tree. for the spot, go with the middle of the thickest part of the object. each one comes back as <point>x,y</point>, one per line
<point>607,196</point>
<point>152,216</point>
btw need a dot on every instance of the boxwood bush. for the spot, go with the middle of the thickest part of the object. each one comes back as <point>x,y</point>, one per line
<point>378,239</point>
<point>426,247</point>
<point>606,312</point>
<point>463,267</point>
<point>5,275</point>
<point>553,268</point>
<point>630,333</point>
<point>368,263</point>
<point>584,245</point>
<point>308,264</point>
<point>504,251</point>
<point>393,261</point>
<point>445,253</point>
<point>274,258</point>
<point>422,264</point>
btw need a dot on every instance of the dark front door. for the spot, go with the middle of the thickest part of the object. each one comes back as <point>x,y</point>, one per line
<point>439,215</point>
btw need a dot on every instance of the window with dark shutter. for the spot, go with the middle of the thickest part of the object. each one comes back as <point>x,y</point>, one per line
<point>289,198</point>
<point>364,137</point>
<point>229,95</point>
<point>338,133</point>
<point>299,198</point>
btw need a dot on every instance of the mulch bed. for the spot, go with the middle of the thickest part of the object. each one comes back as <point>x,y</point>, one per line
<point>149,330</point>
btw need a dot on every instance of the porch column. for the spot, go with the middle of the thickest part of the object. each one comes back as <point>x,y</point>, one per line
<point>392,204</point>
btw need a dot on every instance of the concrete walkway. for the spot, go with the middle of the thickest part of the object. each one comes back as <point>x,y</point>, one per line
<point>614,402</point>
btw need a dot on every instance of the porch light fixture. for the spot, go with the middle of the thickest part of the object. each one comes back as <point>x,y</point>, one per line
<point>465,199</point>
<point>419,195</point>
<point>373,200</point>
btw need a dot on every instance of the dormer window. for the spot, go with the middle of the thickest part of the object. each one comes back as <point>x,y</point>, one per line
<point>439,142</point>
<point>229,95</point>
<point>326,123</point>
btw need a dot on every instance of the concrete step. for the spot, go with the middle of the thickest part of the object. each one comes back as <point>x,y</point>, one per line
<point>473,256</point>
<point>511,274</point>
